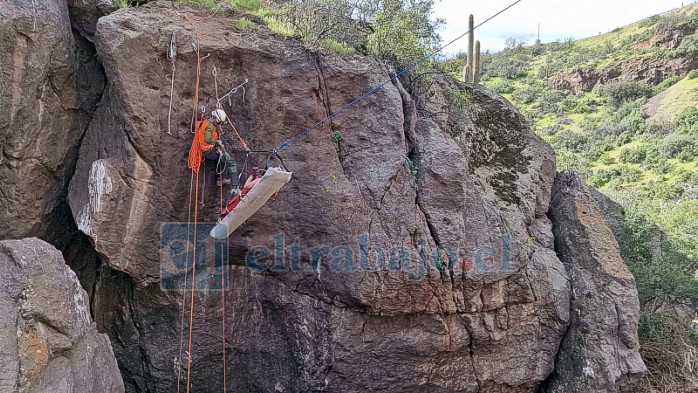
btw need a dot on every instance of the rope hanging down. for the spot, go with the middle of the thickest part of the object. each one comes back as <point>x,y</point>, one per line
<point>171,56</point>
<point>380,85</point>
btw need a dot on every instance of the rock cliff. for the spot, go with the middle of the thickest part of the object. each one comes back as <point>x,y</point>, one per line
<point>48,342</point>
<point>412,251</point>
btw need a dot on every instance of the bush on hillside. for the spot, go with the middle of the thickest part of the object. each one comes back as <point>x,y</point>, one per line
<point>667,83</point>
<point>400,30</point>
<point>571,161</point>
<point>659,127</point>
<point>502,86</point>
<point>550,101</point>
<point>659,166</point>
<point>618,93</point>
<point>632,155</point>
<point>679,146</point>
<point>577,104</point>
<point>570,140</point>
<point>686,121</point>
<point>526,94</point>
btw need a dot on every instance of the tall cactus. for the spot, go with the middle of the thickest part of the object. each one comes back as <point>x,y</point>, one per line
<point>471,39</point>
<point>476,69</point>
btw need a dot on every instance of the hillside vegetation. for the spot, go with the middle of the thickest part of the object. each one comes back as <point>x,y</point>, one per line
<point>621,110</point>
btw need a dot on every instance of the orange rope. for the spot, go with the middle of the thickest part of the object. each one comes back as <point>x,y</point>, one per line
<point>181,322</point>
<point>193,284</point>
<point>242,141</point>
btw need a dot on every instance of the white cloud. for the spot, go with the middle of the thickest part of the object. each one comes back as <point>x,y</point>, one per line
<point>558,19</point>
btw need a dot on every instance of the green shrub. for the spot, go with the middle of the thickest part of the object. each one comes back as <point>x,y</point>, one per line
<point>615,176</point>
<point>244,24</point>
<point>578,104</point>
<point>687,121</point>
<point>572,161</point>
<point>550,101</point>
<point>413,167</point>
<point>526,94</point>
<point>337,136</point>
<point>659,127</point>
<point>668,82</point>
<point>618,93</point>
<point>679,146</point>
<point>688,46</point>
<point>252,5</point>
<point>212,5</point>
<point>501,86</point>
<point>635,155</point>
<point>664,191</point>
<point>606,159</point>
<point>663,328</point>
<point>337,47</point>
<point>598,147</point>
<point>570,140</point>
<point>319,20</point>
<point>504,66</point>
<point>693,74</point>
<point>403,30</point>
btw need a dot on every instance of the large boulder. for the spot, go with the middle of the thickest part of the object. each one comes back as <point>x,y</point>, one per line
<point>49,86</point>
<point>600,352</point>
<point>48,342</point>
<point>411,252</point>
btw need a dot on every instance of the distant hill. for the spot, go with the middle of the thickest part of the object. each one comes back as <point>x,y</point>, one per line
<point>598,99</point>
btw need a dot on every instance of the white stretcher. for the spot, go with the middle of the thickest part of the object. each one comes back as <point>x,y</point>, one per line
<point>272,181</point>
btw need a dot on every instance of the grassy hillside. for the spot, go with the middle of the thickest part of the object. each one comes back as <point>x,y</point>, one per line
<point>634,137</point>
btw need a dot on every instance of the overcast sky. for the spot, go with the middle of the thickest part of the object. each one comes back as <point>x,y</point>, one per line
<point>558,19</point>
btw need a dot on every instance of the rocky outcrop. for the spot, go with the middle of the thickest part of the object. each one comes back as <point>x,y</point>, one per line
<point>600,350</point>
<point>49,88</point>
<point>576,80</point>
<point>47,339</point>
<point>669,37</point>
<point>650,70</point>
<point>487,317</point>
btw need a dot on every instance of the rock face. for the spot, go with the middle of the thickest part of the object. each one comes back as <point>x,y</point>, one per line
<point>650,70</point>
<point>487,319</point>
<point>411,252</point>
<point>600,350</point>
<point>668,37</point>
<point>84,15</point>
<point>47,339</point>
<point>49,86</point>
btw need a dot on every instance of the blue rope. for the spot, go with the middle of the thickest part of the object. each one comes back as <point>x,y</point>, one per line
<point>380,85</point>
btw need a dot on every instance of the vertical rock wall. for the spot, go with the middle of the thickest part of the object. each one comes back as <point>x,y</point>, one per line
<point>600,350</point>
<point>48,342</point>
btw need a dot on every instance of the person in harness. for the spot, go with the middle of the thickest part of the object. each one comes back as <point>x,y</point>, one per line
<point>213,149</point>
<point>252,180</point>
